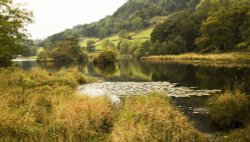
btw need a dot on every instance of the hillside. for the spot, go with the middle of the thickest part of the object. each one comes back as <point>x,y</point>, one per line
<point>169,28</point>
<point>134,15</point>
<point>140,36</point>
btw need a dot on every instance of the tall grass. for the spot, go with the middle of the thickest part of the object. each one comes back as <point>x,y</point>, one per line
<point>152,118</point>
<point>41,106</point>
<point>240,135</point>
<point>230,110</point>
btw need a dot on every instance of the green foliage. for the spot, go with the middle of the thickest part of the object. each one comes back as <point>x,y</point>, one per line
<point>175,35</point>
<point>176,45</point>
<point>230,111</point>
<point>152,117</point>
<point>29,48</point>
<point>13,20</point>
<point>215,25</point>
<point>124,46</point>
<point>42,55</point>
<point>68,51</point>
<point>123,34</point>
<point>105,57</point>
<point>143,50</point>
<point>90,47</point>
<point>132,16</point>
<point>240,135</point>
<point>107,45</point>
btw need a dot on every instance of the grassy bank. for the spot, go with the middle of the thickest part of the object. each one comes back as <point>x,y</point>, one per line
<point>38,105</point>
<point>42,106</point>
<point>152,118</point>
<point>241,57</point>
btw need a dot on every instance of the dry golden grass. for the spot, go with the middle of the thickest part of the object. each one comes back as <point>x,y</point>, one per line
<point>152,118</point>
<point>230,110</point>
<point>41,106</point>
<point>240,135</point>
<point>214,57</point>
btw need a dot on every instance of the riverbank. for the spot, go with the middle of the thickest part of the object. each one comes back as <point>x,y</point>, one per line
<point>39,105</point>
<point>219,58</point>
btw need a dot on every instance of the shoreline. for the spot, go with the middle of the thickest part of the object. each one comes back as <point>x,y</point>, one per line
<point>219,59</point>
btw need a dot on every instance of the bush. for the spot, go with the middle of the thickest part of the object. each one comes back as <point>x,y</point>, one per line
<point>83,57</point>
<point>105,57</point>
<point>230,110</point>
<point>59,56</point>
<point>152,118</point>
<point>5,60</point>
<point>240,135</point>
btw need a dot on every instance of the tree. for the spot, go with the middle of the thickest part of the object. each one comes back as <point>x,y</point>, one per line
<point>107,45</point>
<point>143,50</point>
<point>124,46</point>
<point>105,57</point>
<point>13,20</point>
<point>123,34</point>
<point>223,29</point>
<point>90,46</point>
<point>178,31</point>
<point>28,48</point>
<point>137,23</point>
<point>68,51</point>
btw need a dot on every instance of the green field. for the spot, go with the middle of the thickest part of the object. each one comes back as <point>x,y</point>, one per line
<point>137,36</point>
<point>140,36</point>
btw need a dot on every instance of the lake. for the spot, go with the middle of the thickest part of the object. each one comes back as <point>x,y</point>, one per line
<point>194,77</point>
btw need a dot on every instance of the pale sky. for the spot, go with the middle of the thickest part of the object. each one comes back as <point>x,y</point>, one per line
<point>53,16</point>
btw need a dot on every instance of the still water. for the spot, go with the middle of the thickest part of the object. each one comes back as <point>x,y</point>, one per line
<point>188,75</point>
<point>200,77</point>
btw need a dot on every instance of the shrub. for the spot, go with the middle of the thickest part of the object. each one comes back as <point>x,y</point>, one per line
<point>230,110</point>
<point>41,54</point>
<point>83,57</point>
<point>152,118</point>
<point>105,57</point>
<point>5,60</point>
<point>240,135</point>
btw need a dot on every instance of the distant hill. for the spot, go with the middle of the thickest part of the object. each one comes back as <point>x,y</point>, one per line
<point>134,15</point>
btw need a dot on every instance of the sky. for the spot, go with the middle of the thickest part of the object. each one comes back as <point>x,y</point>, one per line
<point>53,16</point>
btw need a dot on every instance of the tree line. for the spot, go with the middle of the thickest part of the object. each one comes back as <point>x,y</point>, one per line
<point>214,26</point>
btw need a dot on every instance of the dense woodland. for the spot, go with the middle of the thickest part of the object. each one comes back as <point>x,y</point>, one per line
<point>215,25</point>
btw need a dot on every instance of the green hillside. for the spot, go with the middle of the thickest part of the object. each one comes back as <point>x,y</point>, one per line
<point>161,27</point>
<point>134,15</point>
<point>140,36</point>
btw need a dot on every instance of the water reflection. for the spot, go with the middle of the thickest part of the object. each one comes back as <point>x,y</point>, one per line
<point>202,77</point>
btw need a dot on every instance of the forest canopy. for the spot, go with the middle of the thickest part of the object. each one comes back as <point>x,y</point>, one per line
<point>214,26</point>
